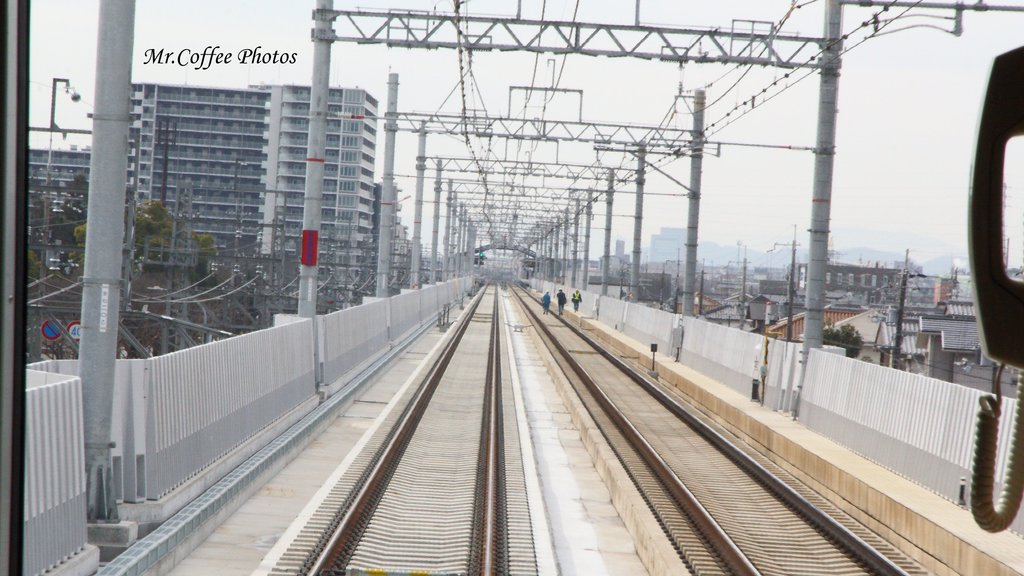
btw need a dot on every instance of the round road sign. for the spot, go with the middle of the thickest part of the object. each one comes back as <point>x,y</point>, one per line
<point>50,331</point>
<point>75,329</point>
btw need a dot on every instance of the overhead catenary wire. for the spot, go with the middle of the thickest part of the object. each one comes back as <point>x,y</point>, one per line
<point>165,300</point>
<point>755,101</point>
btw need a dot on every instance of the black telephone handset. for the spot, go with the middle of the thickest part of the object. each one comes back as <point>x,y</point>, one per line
<point>999,300</point>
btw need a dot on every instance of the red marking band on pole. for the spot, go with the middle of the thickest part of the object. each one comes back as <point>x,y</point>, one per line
<point>320,160</point>
<point>309,247</point>
<point>820,200</point>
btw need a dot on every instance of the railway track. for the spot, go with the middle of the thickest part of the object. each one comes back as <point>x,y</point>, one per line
<point>439,488</point>
<point>726,510</point>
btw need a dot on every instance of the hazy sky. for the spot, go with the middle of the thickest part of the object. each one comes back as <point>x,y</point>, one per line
<point>909,103</point>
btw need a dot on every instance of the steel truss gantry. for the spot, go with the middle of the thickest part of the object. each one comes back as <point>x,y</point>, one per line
<point>513,167</point>
<point>593,132</point>
<point>748,42</point>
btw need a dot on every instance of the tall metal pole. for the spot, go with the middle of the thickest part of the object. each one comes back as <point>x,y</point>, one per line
<point>463,238</point>
<point>549,254</point>
<point>575,243</point>
<point>821,203</point>
<point>565,245</point>
<point>101,290</point>
<point>471,251</point>
<point>538,264</point>
<point>606,259</point>
<point>556,263</point>
<point>638,222</point>
<point>693,216</point>
<point>544,257</point>
<point>421,167</point>
<point>586,239</point>
<point>896,358</point>
<point>790,292</point>
<point>449,214</point>
<point>743,291</point>
<point>319,94</point>
<point>437,221</point>
<point>460,247</point>
<point>457,244</point>
<point>387,193</point>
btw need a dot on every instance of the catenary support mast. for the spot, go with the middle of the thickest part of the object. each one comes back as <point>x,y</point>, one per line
<point>434,276</point>
<point>824,159</point>
<point>416,274</point>
<point>316,147</point>
<point>386,229</point>
<point>606,259</point>
<point>693,215</point>
<point>638,223</point>
<point>101,280</point>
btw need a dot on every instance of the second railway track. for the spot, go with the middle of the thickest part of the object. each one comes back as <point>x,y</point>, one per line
<point>726,511</point>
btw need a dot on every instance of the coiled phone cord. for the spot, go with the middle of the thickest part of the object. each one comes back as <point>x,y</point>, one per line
<point>985,451</point>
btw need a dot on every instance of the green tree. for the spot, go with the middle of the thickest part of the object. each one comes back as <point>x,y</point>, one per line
<point>846,336</point>
<point>153,225</point>
<point>35,268</point>
<point>207,250</point>
<point>78,256</point>
<point>153,228</point>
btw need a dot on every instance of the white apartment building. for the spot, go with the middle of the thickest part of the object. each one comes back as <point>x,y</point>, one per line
<point>242,152</point>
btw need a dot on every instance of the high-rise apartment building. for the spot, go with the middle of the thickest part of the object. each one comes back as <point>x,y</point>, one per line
<point>347,201</point>
<point>240,153</point>
<point>58,167</point>
<point>208,141</point>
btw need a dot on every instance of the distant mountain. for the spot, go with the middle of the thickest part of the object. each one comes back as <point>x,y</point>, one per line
<point>942,265</point>
<point>719,255</point>
<point>869,256</point>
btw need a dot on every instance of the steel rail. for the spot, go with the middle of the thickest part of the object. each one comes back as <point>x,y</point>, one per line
<point>343,540</point>
<point>491,554</point>
<point>853,544</point>
<point>716,537</point>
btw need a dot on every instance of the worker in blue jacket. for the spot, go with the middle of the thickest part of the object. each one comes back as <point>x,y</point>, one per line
<point>546,301</point>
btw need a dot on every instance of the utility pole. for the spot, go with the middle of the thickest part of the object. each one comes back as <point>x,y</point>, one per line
<point>790,290</point>
<point>238,212</point>
<point>606,258</point>
<point>896,359</point>
<point>166,135</point>
<point>638,222</point>
<point>700,309</point>
<point>386,230</point>
<point>437,221</point>
<point>415,274</point>
<point>675,288</point>
<point>108,181</point>
<point>743,291</point>
<point>693,215</point>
